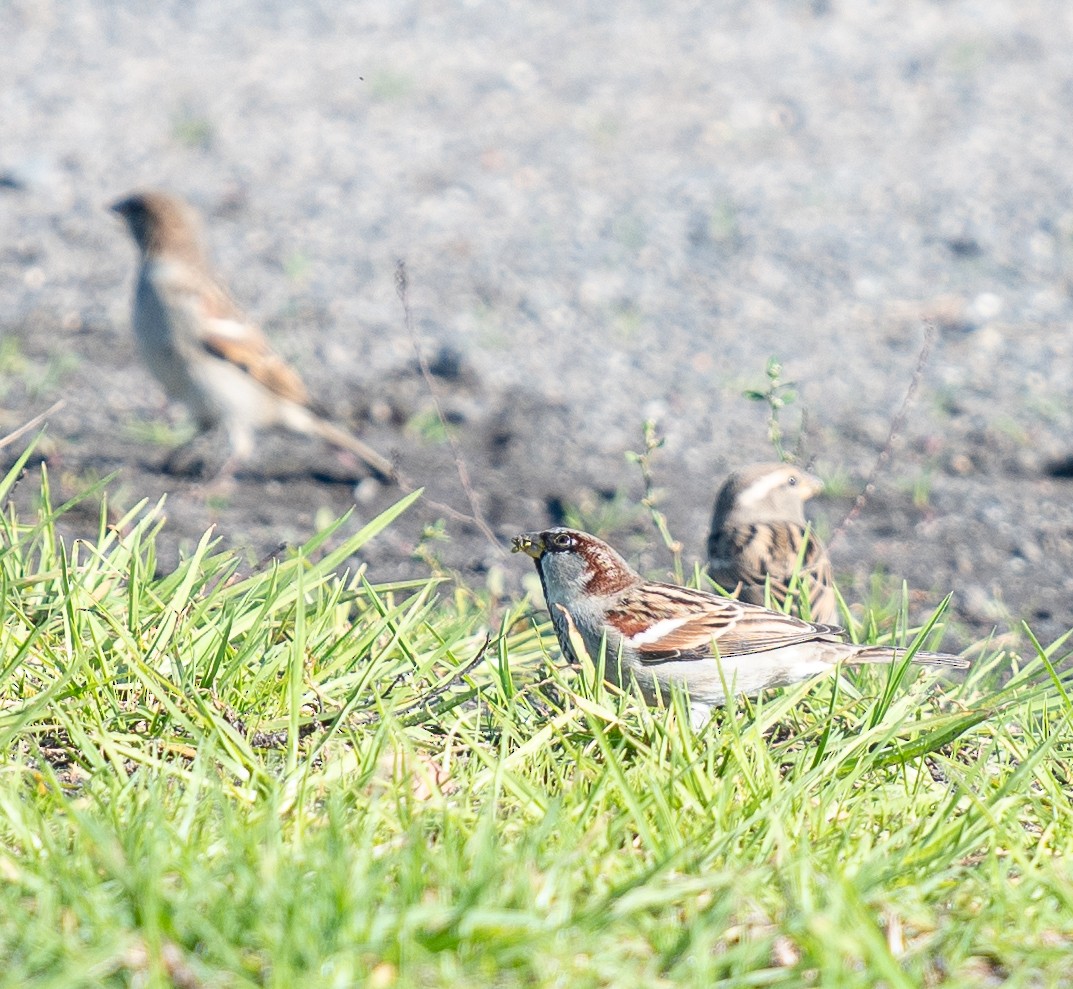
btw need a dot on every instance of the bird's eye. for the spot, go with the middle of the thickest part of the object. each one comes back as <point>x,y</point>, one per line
<point>792,480</point>
<point>561,540</point>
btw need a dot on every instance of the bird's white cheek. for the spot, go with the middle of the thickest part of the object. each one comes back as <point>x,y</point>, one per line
<point>563,579</point>
<point>656,632</point>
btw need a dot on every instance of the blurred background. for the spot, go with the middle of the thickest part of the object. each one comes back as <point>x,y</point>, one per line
<point>609,212</point>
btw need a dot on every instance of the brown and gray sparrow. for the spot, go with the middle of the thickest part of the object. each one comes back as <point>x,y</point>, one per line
<point>662,635</point>
<point>759,538</point>
<point>203,349</point>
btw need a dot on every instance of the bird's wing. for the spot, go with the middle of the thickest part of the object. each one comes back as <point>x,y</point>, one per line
<point>228,334</point>
<point>665,622</point>
<point>753,553</point>
<point>258,360</point>
<point>748,557</point>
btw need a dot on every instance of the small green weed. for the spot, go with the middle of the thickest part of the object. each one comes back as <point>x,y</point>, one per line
<point>776,394</point>
<point>193,129</point>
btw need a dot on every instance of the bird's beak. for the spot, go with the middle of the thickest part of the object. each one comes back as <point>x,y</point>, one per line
<point>120,207</point>
<point>530,543</point>
<point>811,486</point>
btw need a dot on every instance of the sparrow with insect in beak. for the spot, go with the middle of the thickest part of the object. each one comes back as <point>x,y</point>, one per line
<point>662,635</point>
<point>759,539</point>
<point>204,350</point>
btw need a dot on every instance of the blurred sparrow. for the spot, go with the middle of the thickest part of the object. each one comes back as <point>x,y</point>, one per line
<point>662,634</point>
<point>759,538</point>
<point>203,349</point>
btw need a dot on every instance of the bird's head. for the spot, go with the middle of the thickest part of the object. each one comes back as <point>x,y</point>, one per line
<point>765,493</point>
<point>159,221</point>
<point>573,563</point>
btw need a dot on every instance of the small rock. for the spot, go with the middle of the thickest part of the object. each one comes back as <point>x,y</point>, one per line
<point>987,305</point>
<point>366,491</point>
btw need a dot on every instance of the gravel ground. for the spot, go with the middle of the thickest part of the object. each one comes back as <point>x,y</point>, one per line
<point>608,211</point>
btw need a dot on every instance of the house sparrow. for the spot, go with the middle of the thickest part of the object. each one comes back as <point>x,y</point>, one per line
<point>759,536</point>
<point>662,634</point>
<point>203,349</point>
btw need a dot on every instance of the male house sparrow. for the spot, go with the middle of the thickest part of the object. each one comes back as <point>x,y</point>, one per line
<point>759,537</point>
<point>662,634</point>
<point>203,349</point>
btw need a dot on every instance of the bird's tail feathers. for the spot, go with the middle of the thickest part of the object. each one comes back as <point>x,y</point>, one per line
<point>884,654</point>
<point>345,441</point>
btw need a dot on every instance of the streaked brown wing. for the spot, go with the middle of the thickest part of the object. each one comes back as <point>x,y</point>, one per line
<point>732,627</point>
<point>792,543</point>
<point>729,553</point>
<point>755,555</point>
<point>228,334</point>
<point>258,360</point>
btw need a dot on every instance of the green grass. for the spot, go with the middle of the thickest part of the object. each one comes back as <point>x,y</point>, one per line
<point>297,776</point>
